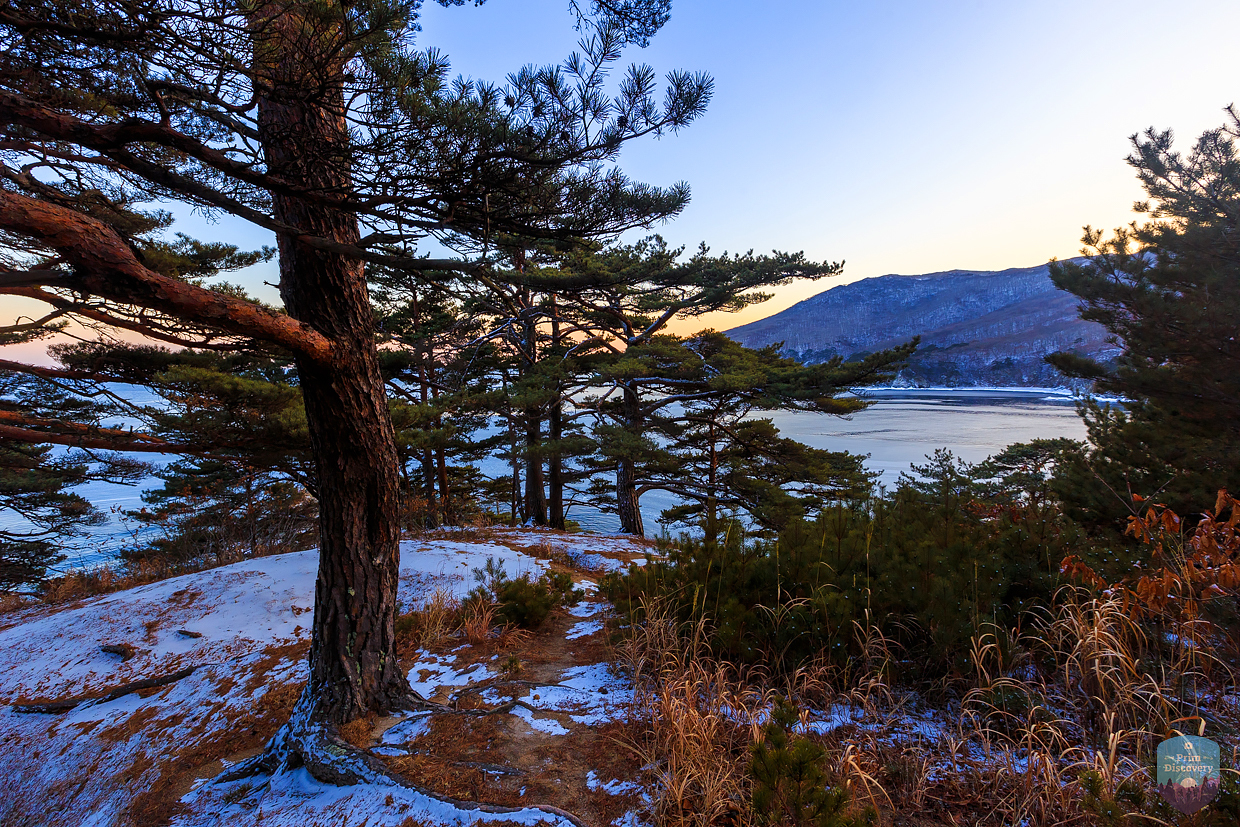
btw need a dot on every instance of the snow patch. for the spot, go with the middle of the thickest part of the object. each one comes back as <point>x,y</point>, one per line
<point>584,629</point>
<point>550,726</point>
<point>615,787</point>
<point>295,799</point>
<point>586,608</point>
<point>408,731</point>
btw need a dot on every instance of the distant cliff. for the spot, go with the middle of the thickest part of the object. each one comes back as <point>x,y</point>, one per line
<point>977,328</point>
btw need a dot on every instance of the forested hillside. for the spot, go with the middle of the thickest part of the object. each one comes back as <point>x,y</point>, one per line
<point>989,328</point>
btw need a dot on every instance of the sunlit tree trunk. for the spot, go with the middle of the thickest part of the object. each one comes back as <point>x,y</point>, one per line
<point>353,665</point>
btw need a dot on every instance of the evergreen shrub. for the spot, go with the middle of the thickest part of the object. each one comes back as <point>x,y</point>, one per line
<point>789,784</point>
<point>523,601</point>
<point>928,565</point>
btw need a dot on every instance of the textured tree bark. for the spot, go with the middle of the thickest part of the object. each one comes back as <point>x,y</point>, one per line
<point>353,666</point>
<point>712,504</point>
<point>515,502</point>
<point>535,489</point>
<point>434,511</point>
<point>555,470</point>
<point>627,500</point>
<point>445,495</point>
<point>555,432</point>
<point>428,486</point>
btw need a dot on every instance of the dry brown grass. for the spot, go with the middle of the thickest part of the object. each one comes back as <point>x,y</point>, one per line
<point>99,580</point>
<point>438,619</point>
<point>10,602</point>
<point>1082,690</point>
<point>477,620</point>
<point>88,583</point>
<point>693,724</point>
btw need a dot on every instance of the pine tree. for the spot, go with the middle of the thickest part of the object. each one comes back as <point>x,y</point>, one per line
<point>790,786</point>
<point>36,480</point>
<point>217,511</point>
<point>680,420</point>
<point>637,290</point>
<point>1168,290</point>
<point>435,362</point>
<point>322,124</point>
<point>727,457</point>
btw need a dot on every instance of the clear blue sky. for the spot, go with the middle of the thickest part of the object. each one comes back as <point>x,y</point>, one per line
<point>903,137</point>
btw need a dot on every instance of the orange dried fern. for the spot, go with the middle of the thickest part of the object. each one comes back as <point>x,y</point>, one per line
<point>1186,569</point>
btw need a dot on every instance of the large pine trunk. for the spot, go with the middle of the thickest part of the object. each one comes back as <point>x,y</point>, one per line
<point>353,666</point>
<point>628,506</point>
<point>555,470</point>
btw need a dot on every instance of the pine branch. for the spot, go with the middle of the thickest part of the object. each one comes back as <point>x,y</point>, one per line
<point>104,265</point>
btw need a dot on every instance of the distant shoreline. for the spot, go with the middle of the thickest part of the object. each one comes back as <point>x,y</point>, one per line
<point>1055,394</point>
<point>1067,393</point>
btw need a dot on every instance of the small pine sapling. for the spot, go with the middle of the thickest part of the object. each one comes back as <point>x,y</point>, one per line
<point>522,601</point>
<point>790,786</point>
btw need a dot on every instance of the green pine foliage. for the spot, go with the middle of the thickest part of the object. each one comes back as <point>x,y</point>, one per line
<point>686,423</point>
<point>437,383</point>
<point>1169,292</point>
<point>42,512</point>
<point>523,601</point>
<point>790,786</point>
<point>951,550</point>
<point>211,512</point>
<point>33,483</point>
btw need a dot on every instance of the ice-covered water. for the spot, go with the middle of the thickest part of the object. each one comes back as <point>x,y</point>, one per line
<point>902,427</point>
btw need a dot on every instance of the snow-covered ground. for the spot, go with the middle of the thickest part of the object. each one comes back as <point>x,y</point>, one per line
<point>233,640</point>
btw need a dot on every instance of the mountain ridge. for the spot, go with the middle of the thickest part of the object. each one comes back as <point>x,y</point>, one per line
<point>977,327</point>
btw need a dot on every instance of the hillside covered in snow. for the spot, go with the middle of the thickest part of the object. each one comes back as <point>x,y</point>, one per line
<point>977,328</point>
<point>126,708</point>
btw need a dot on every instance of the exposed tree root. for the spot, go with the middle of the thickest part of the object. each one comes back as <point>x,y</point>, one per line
<point>482,686</point>
<point>329,759</point>
<point>420,704</point>
<point>57,707</point>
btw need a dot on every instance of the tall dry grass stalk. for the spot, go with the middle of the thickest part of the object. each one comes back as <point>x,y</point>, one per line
<point>1085,691</point>
<point>692,723</point>
<point>477,620</point>
<point>694,719</point>
<point>439,616</point>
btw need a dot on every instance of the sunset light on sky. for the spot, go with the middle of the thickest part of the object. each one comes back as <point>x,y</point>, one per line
<point>902,137</point>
